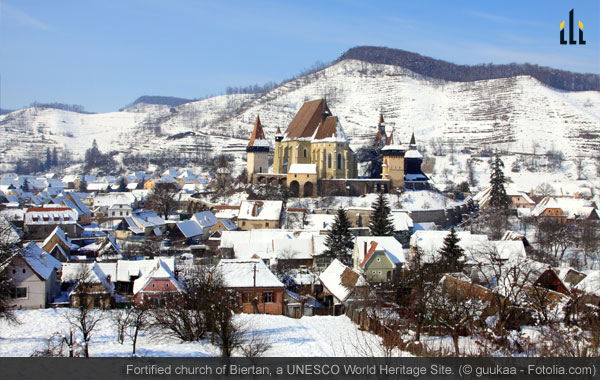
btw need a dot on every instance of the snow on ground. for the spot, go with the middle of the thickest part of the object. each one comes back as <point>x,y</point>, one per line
<point>309,336</point>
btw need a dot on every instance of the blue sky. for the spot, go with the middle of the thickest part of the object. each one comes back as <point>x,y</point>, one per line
<point>104,54</point>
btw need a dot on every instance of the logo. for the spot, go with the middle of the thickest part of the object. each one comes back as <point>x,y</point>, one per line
<point>571,39</point>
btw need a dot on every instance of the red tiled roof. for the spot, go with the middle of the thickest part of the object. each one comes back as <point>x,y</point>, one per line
<point>257,132</point>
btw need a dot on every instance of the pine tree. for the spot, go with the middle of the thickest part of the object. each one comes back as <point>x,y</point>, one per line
<point>122,184</point>
<point>54,157</point>
<point>498,197</point>
<point>339,240</point>
<point>451,253</point>
<point>381,223</point>
<point>48,162</point>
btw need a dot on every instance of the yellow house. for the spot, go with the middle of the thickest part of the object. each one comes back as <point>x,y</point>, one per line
<point>315,137</point>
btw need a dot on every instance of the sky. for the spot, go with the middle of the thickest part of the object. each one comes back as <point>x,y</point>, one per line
<point>103,54</point>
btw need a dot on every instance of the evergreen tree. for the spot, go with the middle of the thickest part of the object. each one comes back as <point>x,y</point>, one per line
<point>48,162</point>
<point>498,197</point>
<point>339,240</point>
<point>451,253</point>
<point>381,223</point>
<point>122,184</point>
<point>54,157</point>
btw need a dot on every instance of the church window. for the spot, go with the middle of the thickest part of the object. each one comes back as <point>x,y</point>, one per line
<point>305,152</point>
<point>329,161</point>
<point>339,161</point>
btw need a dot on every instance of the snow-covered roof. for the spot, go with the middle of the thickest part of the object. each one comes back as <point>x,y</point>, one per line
<point>108,199</point>
<point>127,268</point>
<point>430,243</point>
<point>205,219</point>
<point>147,218</point>
<point>57,215</point>
<point>273,244</point>
<point>61,236</point>
<point>161,271</point>
<point>94,272</point>
<point>413,153</point>
<point>318,222</point>
<point>260,210</point>
<point>247,273</point>
<point>303,169</point>
<point>366,245</point>
<point>228,224</point>
<point>190,228</point>
<point>402,221</point>
<point>341,280</point>
<point>40,262</point>
<point>574,208</point>
<point>590,284</point>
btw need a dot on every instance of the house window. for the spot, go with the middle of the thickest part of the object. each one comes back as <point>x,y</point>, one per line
<point>373,272</point>
<point>243,223</point>
<point>267,224</point>
<point>379,259</point>
<point>268,297</point>
<point>246,297</point>
<point>120,213</point>
<point>154,285</point>
<point>379,273</point>
<point>167,286</point>
<point>19,293</point>
<point>24,271</point>
<point>97,303</point>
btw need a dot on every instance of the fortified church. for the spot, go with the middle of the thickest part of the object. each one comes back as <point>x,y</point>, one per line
<point>313,157</point>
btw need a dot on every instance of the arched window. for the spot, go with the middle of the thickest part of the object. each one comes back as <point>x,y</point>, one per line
<point>305,152</point>
<point>329,161</point>
<point>339,161</point>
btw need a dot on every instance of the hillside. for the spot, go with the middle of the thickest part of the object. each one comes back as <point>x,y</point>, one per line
<point>514,114</point>
<point>435,68</point>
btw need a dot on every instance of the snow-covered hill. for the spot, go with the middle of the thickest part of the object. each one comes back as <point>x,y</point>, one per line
<point>511,113</point>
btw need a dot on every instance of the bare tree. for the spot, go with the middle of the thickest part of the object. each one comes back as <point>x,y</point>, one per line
<point>579,164</point>
<point>544,190</point>
<point>163,199</point>
<point>589,238</point>
<point>8,250</point>
<point>507,281</point>
<point>138,321</point>
<point>455,306</point>
<point>83,318</point>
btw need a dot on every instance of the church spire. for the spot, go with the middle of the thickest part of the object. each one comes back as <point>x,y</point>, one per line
<point>413,143</point>
<point>257,139</point>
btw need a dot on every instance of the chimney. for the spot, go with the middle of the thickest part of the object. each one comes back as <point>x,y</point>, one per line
<point>255,209</point>
<point>365,248</point>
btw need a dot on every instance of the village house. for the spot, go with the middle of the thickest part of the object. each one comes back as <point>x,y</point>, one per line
<point>378,258</point>
<point>33,273</point>
<point>260,291</point>
<point>41,221</point>
<point>141,223</point>
<point>87,282</point>
<point>290,249</point>
<point>59,245</point>
<point>343,287</point>
<point>259,214</point>
<point>156,284</point>
<point>565,209</point>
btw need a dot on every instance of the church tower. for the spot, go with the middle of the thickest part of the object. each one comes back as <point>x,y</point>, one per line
<point>257,160</point>
<point>381,136</point>
<point>393,162</point>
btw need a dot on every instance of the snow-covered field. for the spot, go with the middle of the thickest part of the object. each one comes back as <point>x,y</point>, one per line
<point>319,336</point>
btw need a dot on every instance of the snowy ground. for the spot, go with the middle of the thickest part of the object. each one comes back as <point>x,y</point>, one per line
<point>309,336</point>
